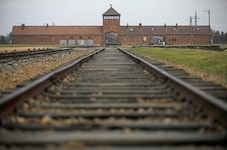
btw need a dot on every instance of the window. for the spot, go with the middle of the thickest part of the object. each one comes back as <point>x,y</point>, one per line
<point>111,17</point>
<point>144,38</point>
<point>52,39</point>
<point>173,40</point>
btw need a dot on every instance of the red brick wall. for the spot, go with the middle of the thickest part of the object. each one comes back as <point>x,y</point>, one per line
<point>123,39</point>
<point>187,39</point>
<point>135,39</point>
<point>110,26</point>
<point>169,39</point>
<point>97,39</point>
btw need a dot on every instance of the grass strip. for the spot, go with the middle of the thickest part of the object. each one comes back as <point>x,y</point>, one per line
<point>209,65</point>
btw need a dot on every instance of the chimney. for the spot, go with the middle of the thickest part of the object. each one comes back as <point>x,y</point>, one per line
<point>23,25</point>
<point>140,25</point>
<point>164,25</point>
<point>176,25</point>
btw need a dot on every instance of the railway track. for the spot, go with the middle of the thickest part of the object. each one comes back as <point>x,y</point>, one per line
<point>4,57</point>
<point>111,102</point>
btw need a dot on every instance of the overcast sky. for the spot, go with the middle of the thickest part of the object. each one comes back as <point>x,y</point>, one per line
<point>89,12</point>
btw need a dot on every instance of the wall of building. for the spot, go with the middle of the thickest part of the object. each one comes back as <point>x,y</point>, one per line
<point>54,39</point>
<point>137,39</point>
<point>128,39</point>
<point>187,39</point>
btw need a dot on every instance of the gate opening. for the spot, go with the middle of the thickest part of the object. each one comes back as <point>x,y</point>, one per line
<point>111,38</point>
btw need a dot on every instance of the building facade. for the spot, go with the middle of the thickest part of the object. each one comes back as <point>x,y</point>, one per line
<point>110,33</point>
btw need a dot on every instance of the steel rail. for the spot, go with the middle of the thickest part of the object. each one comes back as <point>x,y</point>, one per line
<point>214,106</point>
<point>22,54</point>
<point>155,138</point>
<point>8,101</point>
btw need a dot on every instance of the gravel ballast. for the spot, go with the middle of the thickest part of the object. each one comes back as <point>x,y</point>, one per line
<point>14,72</point>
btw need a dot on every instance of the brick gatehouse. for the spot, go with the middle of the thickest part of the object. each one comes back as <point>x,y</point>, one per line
<point>111,32</point>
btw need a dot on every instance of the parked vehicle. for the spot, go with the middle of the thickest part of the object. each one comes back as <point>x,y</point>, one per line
<point>157,40</point>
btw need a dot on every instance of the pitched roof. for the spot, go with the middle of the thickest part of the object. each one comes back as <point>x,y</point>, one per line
<point>111,12</point>
<point>163,30</point>
<point>97,30</point>
<point>57,30</point>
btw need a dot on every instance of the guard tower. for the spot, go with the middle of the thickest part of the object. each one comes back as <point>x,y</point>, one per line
<point>111,26</point>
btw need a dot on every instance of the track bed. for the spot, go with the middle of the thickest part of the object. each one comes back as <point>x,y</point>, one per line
<point>111,102</point>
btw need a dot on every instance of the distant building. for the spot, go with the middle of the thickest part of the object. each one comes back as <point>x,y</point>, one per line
<point>110,33</point>
<point>1,39</point>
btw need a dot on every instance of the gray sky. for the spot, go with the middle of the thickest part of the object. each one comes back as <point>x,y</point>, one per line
<point>89,12</point>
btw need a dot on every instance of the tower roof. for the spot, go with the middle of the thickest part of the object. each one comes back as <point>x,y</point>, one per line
<point>111,12</point>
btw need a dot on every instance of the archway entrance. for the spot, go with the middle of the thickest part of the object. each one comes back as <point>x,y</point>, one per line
<point>111,38</point>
